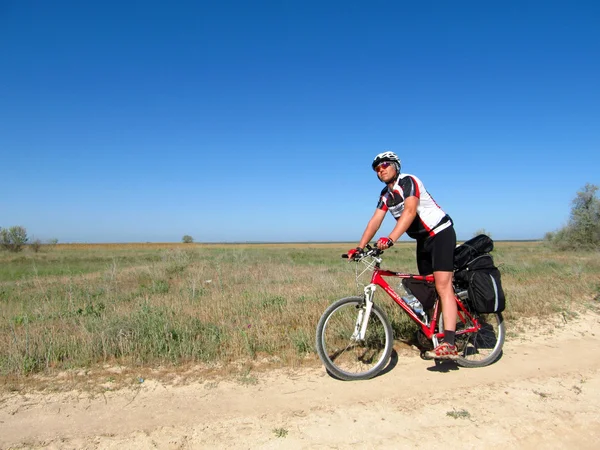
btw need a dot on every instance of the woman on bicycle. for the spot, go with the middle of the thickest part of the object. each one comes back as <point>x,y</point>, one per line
<point>418,215</point>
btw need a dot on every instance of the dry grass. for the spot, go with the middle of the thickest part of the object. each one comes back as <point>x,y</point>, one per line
<point>220,307</point>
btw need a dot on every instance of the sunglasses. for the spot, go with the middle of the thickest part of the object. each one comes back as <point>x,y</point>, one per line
<point>383,165</point>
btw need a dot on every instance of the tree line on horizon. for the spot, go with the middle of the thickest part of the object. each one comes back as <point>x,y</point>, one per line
<point>582,232</point>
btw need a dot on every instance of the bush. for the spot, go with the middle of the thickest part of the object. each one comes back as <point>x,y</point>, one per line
<point>13,238</point>
<point>36,245</point>
<point>187,239</point>
<point>583,230</point>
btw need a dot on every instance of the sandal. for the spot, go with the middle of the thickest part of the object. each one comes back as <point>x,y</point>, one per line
<point>443,351</point>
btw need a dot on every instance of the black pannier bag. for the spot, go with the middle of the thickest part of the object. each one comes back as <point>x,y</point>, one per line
<point>424,291</point>
<point>482,279</point>
<point>471,249</point>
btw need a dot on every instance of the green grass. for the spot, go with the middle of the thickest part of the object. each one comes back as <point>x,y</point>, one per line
<point>23,266</point>
<point>280,432</point>
<point>460,414</point>
<point>84,306</point>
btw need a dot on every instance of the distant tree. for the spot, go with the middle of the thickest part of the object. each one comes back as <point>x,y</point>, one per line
<point>482,231</point>
<point>36,245</point>
<point>52,241</point>
<point>583,230</point>
<point>187,239</point>
<point>13,238</point>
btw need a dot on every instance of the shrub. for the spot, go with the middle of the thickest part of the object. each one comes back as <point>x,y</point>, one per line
<point>36,245</point>
<point>13,238</point>
<point>583,230</point>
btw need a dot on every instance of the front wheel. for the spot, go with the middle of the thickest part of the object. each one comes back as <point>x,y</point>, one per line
<point>346,356</point>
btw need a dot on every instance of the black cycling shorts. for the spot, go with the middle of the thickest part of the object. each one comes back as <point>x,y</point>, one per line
<point>436,253</point>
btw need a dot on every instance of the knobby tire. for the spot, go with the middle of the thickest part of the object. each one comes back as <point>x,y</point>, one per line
<point>344,357</point>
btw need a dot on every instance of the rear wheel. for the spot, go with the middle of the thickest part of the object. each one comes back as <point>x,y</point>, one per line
<point>483,347</point>
<point>345,356</point>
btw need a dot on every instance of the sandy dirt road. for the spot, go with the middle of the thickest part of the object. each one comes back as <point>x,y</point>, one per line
<point>543,393</point>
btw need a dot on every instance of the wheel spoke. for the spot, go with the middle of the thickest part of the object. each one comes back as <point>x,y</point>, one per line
<point>484,346</point>
<point>345,356</point>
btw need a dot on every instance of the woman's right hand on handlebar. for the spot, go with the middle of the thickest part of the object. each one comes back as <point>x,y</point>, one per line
<point>354,253</point>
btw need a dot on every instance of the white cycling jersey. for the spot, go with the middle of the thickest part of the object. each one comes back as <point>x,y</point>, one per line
<point>430,219</point>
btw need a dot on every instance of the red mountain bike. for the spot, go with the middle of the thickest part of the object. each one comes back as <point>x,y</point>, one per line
<point>355,337</point>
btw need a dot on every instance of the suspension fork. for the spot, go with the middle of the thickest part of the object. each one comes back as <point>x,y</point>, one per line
<point>360,328</point>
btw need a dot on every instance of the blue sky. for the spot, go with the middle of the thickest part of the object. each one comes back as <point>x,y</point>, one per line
<point>135,121</point>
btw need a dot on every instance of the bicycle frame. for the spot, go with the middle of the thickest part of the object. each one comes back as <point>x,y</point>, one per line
<point>427,329</point>
<point>355,337</point>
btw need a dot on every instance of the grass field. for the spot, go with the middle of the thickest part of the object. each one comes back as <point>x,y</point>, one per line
<point>149,305</point>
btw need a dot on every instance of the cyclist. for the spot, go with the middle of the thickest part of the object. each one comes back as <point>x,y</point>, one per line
<point>418,215</point>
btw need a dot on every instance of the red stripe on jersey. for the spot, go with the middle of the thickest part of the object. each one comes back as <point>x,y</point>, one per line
<point>383,202</point>
<point>431,233</point>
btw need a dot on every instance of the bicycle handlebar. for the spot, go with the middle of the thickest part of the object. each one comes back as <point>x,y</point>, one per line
<point>368,251</point>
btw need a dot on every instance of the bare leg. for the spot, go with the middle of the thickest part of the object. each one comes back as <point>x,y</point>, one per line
<point>443,284</point>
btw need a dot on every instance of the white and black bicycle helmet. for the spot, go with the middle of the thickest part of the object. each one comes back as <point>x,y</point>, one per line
<point>386,156</point>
